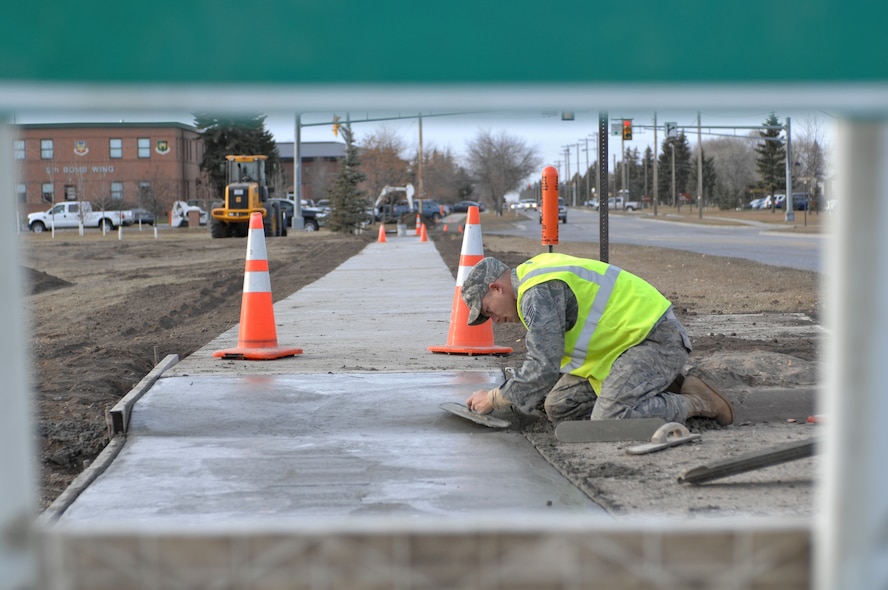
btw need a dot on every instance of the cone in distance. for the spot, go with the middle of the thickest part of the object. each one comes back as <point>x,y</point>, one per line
<point>423,234</point>
<point>257,335</point>
<point>463,338</point>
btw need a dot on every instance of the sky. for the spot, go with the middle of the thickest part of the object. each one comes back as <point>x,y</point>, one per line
<point>546,132</point>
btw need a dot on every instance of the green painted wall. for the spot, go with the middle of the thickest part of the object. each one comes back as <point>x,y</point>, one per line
<point>329,41</point>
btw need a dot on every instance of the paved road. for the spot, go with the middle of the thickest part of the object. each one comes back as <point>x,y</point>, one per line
<point>752,242</point>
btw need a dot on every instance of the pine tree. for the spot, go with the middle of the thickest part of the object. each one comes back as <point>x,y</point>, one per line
<point>348,204</point>
<point>771,158</point>
<point>682,168</point>
<point>225,136</point>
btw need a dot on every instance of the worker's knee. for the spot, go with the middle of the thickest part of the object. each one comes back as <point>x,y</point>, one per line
<point>572,398</point>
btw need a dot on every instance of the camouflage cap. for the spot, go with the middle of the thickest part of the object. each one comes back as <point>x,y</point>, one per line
<point>476,285</point>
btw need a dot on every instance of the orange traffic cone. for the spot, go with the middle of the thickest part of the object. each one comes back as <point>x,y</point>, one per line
<point>463,338</point>
<point>418,224</point>
<point>423,234</point>
<point>257,336</point>
<point>381,237</point>
<point>444,229</point>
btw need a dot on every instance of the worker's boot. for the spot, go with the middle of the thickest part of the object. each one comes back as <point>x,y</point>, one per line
<point>704,401</point>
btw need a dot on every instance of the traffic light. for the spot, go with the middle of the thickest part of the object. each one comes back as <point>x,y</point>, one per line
<point>627,130</point>
<point>335,124</point>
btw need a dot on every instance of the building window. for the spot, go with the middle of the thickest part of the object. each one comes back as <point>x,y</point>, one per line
<point>116,191</point>
<point>116,148</point>
<point>48,192</point>
<point>144,147</point>
<point>46,149</point>
<point>18,147</point>
<point>21,190</point>
<point>70,192</point>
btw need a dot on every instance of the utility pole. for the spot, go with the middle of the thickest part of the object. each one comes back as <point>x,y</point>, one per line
<point>298,221</point>
<point>577,184</point>
<point>566,166</point>
<point>699,168</point>
<point>789,212</point>
<point>656,178</point>
<point>586,175</point>
<point>623,160</point>
<point>419,163</point>
<point>674,199</point>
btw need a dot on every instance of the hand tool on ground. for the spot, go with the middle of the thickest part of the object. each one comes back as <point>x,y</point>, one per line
<point>749,462</point>
<point>485,419</point>
<point>669,435</point>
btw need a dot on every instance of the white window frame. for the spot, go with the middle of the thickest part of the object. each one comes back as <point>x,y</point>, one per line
<point>18,147</point>
<point>116,191</point>
<point>47,149</point>
<point>144,144</point>
<point>115,148</point>
<point>47,192</point>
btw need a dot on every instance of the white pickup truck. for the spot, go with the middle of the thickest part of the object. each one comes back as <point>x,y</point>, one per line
<point>76,213</point>
<point>619,203</point>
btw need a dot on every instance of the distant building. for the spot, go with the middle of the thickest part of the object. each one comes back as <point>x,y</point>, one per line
<point>112,165</point>
<point>128,165</point>
<point>320,164</point>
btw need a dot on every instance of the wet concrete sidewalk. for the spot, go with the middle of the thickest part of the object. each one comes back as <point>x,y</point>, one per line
<point>352,426</point>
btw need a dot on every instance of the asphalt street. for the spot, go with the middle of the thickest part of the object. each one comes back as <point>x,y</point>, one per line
<point>758,242</point>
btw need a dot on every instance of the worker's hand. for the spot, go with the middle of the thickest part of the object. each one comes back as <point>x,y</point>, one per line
<point>480,402</point>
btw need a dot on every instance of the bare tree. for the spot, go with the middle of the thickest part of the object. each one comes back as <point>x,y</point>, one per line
<point>734,162</point>
<point>444,180</point>
<point>500,162</point>
<point>810,156</point>
<point>382,161</point>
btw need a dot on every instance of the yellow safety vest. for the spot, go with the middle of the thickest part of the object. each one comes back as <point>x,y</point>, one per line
<point>615,310</point>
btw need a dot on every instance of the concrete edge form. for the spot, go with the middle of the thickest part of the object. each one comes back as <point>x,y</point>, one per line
<point>82,481</point>
<point>119,415</point>
<point>391,552</point>
<point>118,420</point>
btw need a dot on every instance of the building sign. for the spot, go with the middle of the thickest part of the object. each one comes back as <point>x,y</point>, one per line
<point>80,170</point>
<point>163,146</point>
<point>80,147</point>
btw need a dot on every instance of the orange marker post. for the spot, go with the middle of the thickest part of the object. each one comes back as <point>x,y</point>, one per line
<point>549,219</point>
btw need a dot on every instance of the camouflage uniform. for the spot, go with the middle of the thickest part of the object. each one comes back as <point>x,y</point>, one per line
<point>637,381</point>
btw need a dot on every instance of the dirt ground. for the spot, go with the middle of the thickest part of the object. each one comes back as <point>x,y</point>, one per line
<point>103,311</point>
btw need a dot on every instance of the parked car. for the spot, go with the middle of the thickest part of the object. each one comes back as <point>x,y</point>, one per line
<point>801,201</point>
<point>143,216</point>
<point>313,218</point>
<point>756,203</point>
<point>463,206</point>
<point>562,211</point>
<point>524,204</point>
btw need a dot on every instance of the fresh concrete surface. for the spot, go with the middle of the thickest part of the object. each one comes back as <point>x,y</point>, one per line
<point>352,426</point>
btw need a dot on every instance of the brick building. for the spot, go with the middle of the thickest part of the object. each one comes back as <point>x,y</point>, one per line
<point>128,165</point>
<point>114,165</point>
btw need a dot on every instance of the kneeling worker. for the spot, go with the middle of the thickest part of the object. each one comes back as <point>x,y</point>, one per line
<point>601,343</point>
